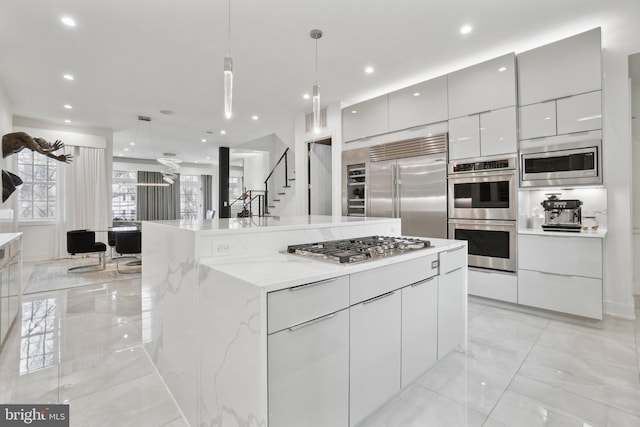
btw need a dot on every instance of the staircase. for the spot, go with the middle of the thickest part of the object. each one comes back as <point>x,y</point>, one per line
<point>279,181</point>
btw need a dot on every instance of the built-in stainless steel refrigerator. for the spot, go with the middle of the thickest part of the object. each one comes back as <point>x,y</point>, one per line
<point>413,189</point>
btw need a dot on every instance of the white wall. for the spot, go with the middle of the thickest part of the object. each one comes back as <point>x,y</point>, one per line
<point>8,222</point>
<point>256,168</point>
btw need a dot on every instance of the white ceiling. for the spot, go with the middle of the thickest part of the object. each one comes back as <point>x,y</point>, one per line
<point>137,57</point>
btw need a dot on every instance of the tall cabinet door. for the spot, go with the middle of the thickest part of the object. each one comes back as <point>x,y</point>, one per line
<point>464,137</point>
<point>451,310</point>
<point>375,342</point>
<point>419,328</point>
<point>382,185</point>
<point>309,373</point>
<point>422,203</point>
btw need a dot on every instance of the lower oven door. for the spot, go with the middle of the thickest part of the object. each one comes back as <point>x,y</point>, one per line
<point>492,244</point>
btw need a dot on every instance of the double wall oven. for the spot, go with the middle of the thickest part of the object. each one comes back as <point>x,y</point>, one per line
<point>482,209</point>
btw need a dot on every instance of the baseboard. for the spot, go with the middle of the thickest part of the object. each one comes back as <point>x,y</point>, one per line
<point>615,309</point>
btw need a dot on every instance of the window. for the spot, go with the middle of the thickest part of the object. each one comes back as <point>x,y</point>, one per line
<point>37,194</point>
<point>189,196</point>
<point>124,192</point>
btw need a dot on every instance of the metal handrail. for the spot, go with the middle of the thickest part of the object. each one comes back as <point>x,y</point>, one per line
<point>271,189</point>
<point>284,156</point>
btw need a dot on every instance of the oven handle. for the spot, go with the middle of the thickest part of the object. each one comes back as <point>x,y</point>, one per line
<point>463,176</point>
<point>489,222</point>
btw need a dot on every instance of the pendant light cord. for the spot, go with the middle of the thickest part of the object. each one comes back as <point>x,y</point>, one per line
<point>229,31</point>
<point>316,61</point>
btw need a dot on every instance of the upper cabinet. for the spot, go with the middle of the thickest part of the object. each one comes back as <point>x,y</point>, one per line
<point>419,104</point>
<point>567,67</point>
<point>367,118</point>
<point>486,134</point>
<point>487,86</point>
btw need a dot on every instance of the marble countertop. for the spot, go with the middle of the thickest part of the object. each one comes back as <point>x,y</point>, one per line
<point>8,237</point>
<point>267,223</point>
<point>280,270</point>
<point>599,234</point>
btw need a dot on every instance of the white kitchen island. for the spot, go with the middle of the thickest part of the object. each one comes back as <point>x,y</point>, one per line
<point>266,338</point>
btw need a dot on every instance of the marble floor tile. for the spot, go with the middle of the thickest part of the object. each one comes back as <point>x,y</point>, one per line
<point>178,422</point>
<point>140,402</point>
<point>602,382</point>
<point>474,308</point>
<point>99,341</point>
<point>476,384</point>
<point>528,403</point>
<point>420,407</point>
<point>87,375</point>
<point>36,386</point>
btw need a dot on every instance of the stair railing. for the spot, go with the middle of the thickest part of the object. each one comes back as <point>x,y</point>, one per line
<point>252,201</point>
<point>278,180</point>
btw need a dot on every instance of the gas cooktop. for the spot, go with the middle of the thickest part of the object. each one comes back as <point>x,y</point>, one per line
<point>359,249</point>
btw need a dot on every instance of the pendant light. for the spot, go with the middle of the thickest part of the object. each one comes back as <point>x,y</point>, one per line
<point>228,72</point>
<point>316,34</point>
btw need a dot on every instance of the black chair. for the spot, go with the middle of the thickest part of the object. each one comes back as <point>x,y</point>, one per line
<point>111,241</point>
<point>128,244</point>
<point>84,242</point>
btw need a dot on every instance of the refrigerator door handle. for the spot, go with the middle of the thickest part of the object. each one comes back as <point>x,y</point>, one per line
<point>398,193</point>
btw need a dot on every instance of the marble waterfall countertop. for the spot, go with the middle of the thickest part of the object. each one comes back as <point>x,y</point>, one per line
<point>268,223</point>
<point>273,272</point>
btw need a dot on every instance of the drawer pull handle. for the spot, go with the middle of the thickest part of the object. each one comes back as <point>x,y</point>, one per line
<point>312,322</point>
<point>455,249</point>
<point>379,297</point>
<point>453,271</point>
<point>308,285</point>
<point>421,282</point>
<point>555,274</point>
<point>435,264</point>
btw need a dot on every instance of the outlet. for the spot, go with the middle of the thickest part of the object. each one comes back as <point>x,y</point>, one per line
<point>222,249</point>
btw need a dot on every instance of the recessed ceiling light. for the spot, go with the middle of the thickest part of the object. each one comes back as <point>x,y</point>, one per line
<point>67,106</point>
<point>68,77</point>
<point>465,29</point>
<point>368,70</point>
<point>68,21</point>
<point>195,161</point>
<point>119,154</point>
<point>354,111</point>
<point>416,94</point>
<point>126,149</point>
<point>67,121</point>
<point>132,143</point>
<point>254,117</point>
<point>167,112</point>
<point>223,132</point>
<point>306,96</point>
<point>547,118</point>
<point>208,157</point>
<point>203,140</point>
<point>501,69</point>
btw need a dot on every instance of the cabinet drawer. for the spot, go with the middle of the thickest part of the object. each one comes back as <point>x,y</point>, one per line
<point>500,286</point>
<point>581,296</point>
<point>453,259</point>
<point>295,305</point>
<point>580,113</point>
<point>378,281</point>
<point>577,256</point>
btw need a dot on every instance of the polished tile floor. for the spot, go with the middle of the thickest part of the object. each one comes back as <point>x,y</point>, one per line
<point>83,346</point>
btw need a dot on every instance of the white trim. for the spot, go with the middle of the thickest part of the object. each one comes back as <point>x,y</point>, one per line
<point>616,309</point>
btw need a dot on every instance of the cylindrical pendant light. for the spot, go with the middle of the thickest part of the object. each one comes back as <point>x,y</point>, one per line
<point>228,73</point>
<point>316,34</point>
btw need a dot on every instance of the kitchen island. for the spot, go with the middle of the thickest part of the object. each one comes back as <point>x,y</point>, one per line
<point>225,331</point>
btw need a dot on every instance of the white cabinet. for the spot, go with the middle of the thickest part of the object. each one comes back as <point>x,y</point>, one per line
<point>375,343</point>
<point>486,134</point>
<point>452,301</point>
<point>366,118</point>
<point>580,113</point>
<point>309,373</point>
<point>538,120</point>
<point>561,273</point>
<point>490,85</point>
<point>10,284</point>
<point>494,285</point>
<point>419,104</point>
<point>419,328</point>
<point>567,67</point>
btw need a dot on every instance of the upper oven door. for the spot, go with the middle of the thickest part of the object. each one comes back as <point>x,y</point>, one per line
<point>483,195</point>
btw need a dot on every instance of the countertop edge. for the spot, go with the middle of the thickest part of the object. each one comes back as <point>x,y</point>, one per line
<point>600,234</point>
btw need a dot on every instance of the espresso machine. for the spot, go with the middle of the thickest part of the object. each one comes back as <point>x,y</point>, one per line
<point>562,215</point>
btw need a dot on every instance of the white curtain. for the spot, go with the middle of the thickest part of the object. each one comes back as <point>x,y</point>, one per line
<point>81,196</point>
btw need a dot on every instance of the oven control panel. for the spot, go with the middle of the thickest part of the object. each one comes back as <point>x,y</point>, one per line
<point>483,166</point>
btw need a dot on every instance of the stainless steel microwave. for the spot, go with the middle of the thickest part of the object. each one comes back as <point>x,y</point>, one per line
<point>569,164</point>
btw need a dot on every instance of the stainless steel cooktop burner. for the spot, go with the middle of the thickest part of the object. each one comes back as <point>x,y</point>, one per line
<point>360,248</point>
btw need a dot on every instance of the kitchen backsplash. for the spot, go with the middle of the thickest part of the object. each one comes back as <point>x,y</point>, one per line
<point>531,214</point>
